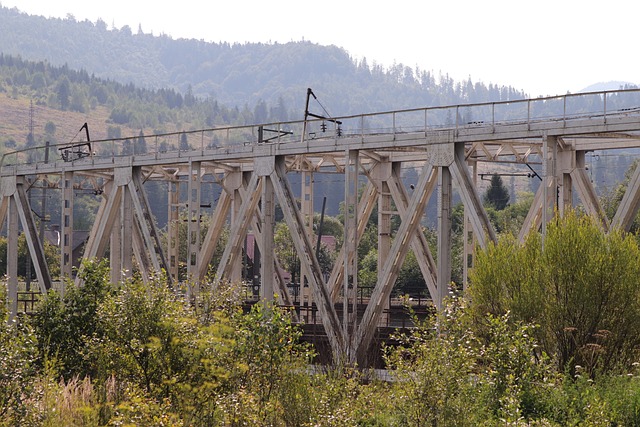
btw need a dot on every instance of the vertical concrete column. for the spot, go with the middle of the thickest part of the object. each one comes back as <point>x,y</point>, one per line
<point>234,183</point>
<point>267,226</point>
<point>384,224</point>
<point>126,239</point>
<point>550,181</point>
<point>307,216</point>
<point>66,226</point>
<point>565,189</point>
<point>566,163</point>
<point>173,226</point>
<point>121,235</point>
<point>193,221</point>
<point>264,169</point>
<point>115,241</point>
<point>115,250</point>
<point>350,280</point>
<point>12,256</point>
<point>468,236</point>
<point>444,234</point>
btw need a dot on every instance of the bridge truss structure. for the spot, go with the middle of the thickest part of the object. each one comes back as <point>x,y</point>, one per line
<point>253,167</point>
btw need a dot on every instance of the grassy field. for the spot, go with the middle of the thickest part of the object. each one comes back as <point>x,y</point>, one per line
<point>15,113</point>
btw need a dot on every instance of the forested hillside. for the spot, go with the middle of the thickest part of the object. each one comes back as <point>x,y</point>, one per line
<point>56,74</point>
<point>57,100</point>
<point>235,74</point>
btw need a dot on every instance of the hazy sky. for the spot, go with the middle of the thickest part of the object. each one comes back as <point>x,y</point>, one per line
<point>544,47</point>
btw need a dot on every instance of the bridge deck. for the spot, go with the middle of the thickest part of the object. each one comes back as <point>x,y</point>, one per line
<point>503,129</point>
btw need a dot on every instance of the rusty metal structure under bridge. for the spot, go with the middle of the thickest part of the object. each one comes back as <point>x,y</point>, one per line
<point>253,165</point>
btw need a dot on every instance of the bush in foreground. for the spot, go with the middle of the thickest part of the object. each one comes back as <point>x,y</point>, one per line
<point>581,286</point>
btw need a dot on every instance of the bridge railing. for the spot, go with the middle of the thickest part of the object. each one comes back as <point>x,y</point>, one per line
<point>225,140</point>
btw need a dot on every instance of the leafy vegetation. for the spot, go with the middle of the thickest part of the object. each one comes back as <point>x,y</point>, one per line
<point>50,251</point>
<point>580,285</point>
<point>529,348</point>
<point>176,368</point>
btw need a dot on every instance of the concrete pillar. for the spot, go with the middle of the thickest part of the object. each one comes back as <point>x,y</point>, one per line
<point>306,209</point>
<point>468,236</point>
<point>384,225</point>
<point>444,234</point>
<point>66,226</point>
<point>193,219</point>
<point>267,234</point>
<point>550,181</point>
<point>173,226</point>
<point>127,233</point>
<point>350,279</point>
<point>12,257</point>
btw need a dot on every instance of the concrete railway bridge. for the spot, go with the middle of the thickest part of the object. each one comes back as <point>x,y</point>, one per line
<point>253,166</point>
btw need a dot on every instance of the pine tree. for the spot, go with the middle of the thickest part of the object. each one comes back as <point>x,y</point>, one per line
<point>141,144</point>
<point>64,93</point>
<point>497,195</point>
<point>184,143</point>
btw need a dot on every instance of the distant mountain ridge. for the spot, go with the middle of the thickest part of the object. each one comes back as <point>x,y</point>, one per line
<point>612,85</point>
<point>235,74</point>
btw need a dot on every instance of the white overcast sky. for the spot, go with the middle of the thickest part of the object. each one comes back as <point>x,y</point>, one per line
<point>544,47</point>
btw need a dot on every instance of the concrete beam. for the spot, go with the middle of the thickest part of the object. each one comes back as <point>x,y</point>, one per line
<point>238,232</point>
<point>321,294</point>
<point>419,244</point>
<point>216,227</point>
<point>36,247</point>
<point>629,205</point>
<point>478,217</point>
<point>365,207</point>
<point>387,277</point>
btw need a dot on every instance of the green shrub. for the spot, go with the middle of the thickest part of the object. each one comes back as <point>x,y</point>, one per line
<point>18,373</point>
<point>580,285</point>
<point>436,373</point>
<point>65,326</point>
